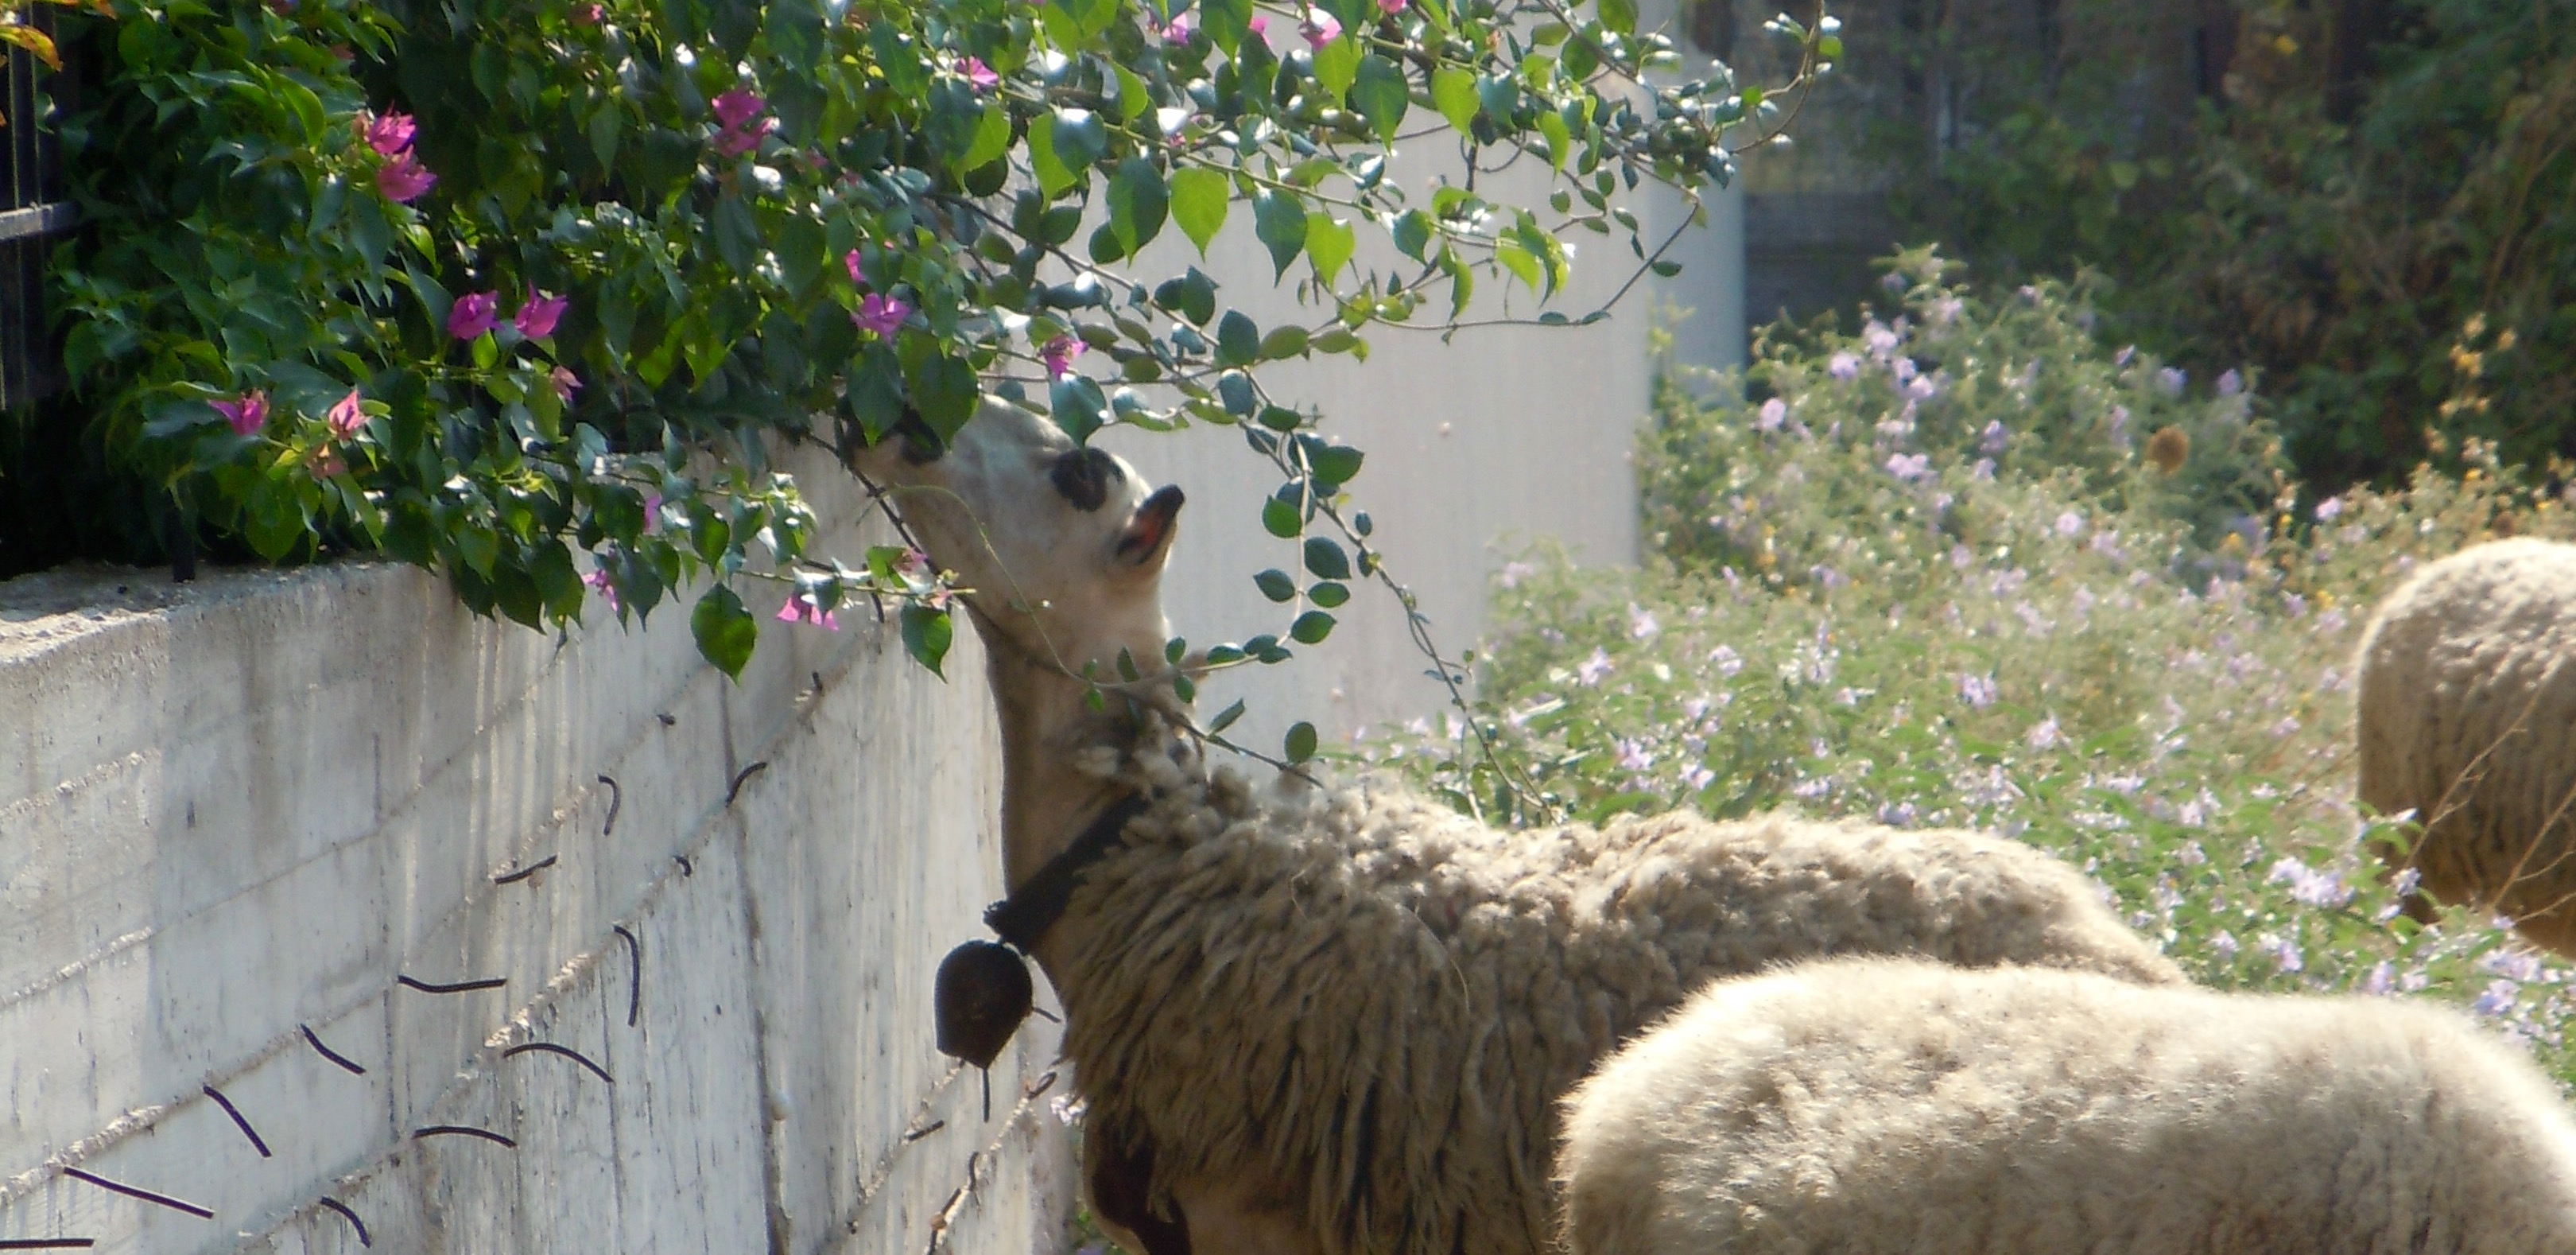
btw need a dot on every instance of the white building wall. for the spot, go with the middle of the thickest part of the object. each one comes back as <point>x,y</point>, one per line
<point>239,808</point>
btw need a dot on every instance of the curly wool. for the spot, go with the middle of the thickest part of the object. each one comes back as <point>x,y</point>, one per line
<point>1376,1002</point>
<point>2468,717</point>
<point>1878,1105</point>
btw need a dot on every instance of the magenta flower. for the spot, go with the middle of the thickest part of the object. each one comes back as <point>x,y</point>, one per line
<point>587,14</point>
<point>388,133</point>
<point>601,583</point>
<point>473,315</point>
<point>539,313</point>
<point>980,75</point>
<point>1320,28</point>
<point>802,609</point>
<point>247,415</point>
<point>742,126</point>
<point>851,260</point>
<point>1260,25</point>
<point>1390,7</point>
<point>1059,353</point>
<point>881,314</point>
<point>345,417</point>
<point>1179,31</point>
<point>404,179</point>
<point>566,383</point>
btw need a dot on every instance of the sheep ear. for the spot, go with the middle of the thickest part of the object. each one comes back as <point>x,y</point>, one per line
<point>1147,540</point>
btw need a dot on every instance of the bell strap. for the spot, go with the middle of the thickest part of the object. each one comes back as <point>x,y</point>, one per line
<point>1026,915</point>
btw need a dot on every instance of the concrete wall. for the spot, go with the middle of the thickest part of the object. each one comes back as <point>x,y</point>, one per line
<point>239,808</point>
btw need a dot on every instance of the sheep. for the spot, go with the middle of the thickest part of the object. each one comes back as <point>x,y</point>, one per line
<point>1336,1017</point>
<point>1886,1105</point>
<point>2468,719</point>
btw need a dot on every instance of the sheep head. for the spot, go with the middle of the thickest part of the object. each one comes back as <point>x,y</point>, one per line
<point>1062,546</point>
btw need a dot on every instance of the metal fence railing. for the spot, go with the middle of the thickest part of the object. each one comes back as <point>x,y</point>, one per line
<point>32,210</point>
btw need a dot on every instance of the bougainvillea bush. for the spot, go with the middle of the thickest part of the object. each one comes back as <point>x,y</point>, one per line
<point>531,291</point>
<point>2005,616</point>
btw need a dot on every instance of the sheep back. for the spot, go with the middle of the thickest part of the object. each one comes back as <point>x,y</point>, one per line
<point>2468,717</point>
<point>1378,1002</point>
<point>1863,1106</point>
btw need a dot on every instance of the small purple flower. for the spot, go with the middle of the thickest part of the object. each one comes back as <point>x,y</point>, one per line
<point>538,314</point>
<point>1843,366</point>
<point>2230,383</point>
<point>2382,979</point>
<point>2045,735</point>
<point>1977,690</point>
<point>979,75</point>
<point>345,418</point>
<point>1909,466</point>
<point>566,383</point>
<point>247,414</point>
<point>601,583</point>
<point>1591,671</point>
<point>2285,953</point>
<point>1983,470</point>
<point>1642,625</point>
<point>1515,572</point>
<point>2070,525</point>
<point>1945,311</point>
<point>2171,379</point>
<point>2499,997</point>
<point>2308,885</point>
<point>881,314</point>
<point>1774,412</point>
<point>1059,354</point>
<point>2224,945</point>
<point>389,133</point>
<point>473,314</point>
<point>403,179</point>
<point>2329,509</point>
<point>1633,755</point>
<point>2124,356</point>
<point>1698,777</point>
<point>1992,441</point>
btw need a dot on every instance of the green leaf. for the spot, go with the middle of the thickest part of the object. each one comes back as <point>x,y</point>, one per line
<point>1080,409</point>
<point>1283,342</point>
<point>1224,718</point>
<point>1280,518</point>
<point>1620,16</point>
<point>1279,219</point>
<point>724,630</point>
<point>1200,197</point>
<point>1062,147</point>
<point>1329,244</point>
<point>1090,16</point>
<point>1412,233</point>
<point>796,32</point>
<point>1517,259</point>
<point>1276,585</point>
<point>1311,628</point>
<point>1238,339</point>
<point>992,138</point>
<point>1336,464</point>
<point>1329,594</point>
<point>1381,95</point>
<point>1337,65</point>
<point>1137,203</point>
<point>1453,92</point>
<point>1299,745</point>
<point>1324,557</point>
<point>1226,22</point>
<point>926,635</point>
<point>1560,141</point>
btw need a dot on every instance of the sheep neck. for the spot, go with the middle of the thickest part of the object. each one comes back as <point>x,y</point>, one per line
<point>1046,800</point>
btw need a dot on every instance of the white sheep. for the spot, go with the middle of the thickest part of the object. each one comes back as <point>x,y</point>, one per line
<point>2468,718</point>
<point>1877,1105</point>
<point>1311,1019</point>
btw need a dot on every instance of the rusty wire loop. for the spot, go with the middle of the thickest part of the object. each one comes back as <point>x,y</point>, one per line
<point>347,1064</point>
<point>734,790</point>
<point>462,1130</point>
<point>566,1051</point>
<point>136,1191</point>
<point>634,987</point>
<point>512,878</point>
<point>350,1216</point>
<point>239,1121</point>
<point>460,987</point>
<point>47,1244</point>
<point>616,799</point>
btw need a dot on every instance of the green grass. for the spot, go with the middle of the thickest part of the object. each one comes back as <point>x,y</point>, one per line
<point>2030,631</point>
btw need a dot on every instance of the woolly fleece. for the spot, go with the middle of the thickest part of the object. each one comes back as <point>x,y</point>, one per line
<point>2468,679</point>
<point>1377,1002</point>
<point>1876,1105</point>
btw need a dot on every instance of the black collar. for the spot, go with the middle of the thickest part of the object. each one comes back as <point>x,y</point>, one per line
<point>1034,907</point>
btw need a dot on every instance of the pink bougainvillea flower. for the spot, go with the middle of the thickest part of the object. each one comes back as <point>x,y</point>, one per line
<point>404,179</point>
<point>851,260</point>
<point>1320,28</point>
<point>603,584</point>
<point>742,127</point>
<point>345,417</point>
<point>801,609</point>
<point>388,133</point>
<point>587,14</point>
<point>1259,25</point>
<point>653,512</point>
<point>566,383</point>
<point>1179,31</point>
<point>1059,353</point>
<point>539,313</point>
<point>248,414</point>
<point>325,462</point>
<point>1390,7</point>
<point>881,314</point>
<point>980,75</point>
<point>473,314</point>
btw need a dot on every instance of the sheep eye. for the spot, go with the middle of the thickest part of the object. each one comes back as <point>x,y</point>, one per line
<point>1083,477</point>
